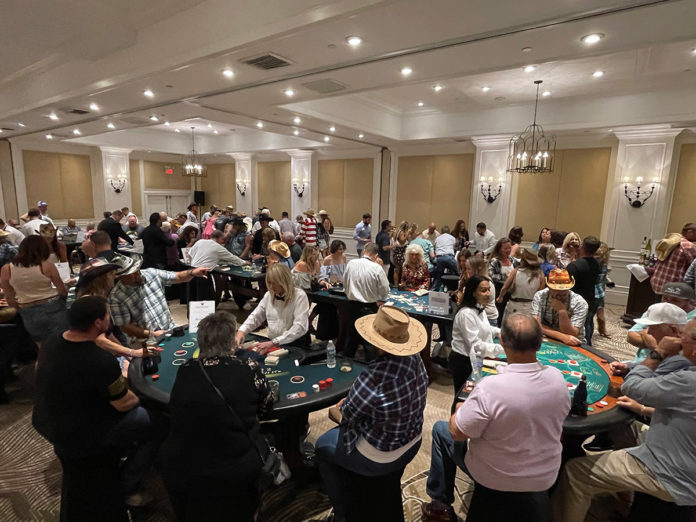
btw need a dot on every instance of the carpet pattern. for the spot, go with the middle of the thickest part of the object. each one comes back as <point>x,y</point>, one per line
<point>30,475</point>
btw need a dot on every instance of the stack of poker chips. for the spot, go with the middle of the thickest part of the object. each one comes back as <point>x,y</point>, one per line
<point>323,385</point>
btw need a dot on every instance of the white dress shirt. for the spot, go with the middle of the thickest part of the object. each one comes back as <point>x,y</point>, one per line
<point>365,281</point>
<point>287,321</point>
<point>485,242</point>
<point>471,332</point>
<point>444,245</point>
<point>31,228</point>
<point>209,253</point>
<point>15,237</point>
<point>273,224</point>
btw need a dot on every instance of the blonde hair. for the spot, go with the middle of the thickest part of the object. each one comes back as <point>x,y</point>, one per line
<point>603,252</point>
<point>280,275</point>
<point>414,249</point>
<point>477,265</point>
<point>571,236</point>
<point>307,252</point>
<point>100,286</point>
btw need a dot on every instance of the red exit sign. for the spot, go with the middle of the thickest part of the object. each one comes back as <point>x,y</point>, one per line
<point>168,170</point>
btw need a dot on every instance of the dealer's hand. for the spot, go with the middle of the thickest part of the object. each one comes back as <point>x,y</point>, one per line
<point>263,347</point>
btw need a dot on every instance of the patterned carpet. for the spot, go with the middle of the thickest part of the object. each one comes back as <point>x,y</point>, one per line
<point>30,475</point>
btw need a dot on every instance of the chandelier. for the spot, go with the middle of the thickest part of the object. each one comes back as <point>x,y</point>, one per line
<point>532,151</point>
<point>191,165</point>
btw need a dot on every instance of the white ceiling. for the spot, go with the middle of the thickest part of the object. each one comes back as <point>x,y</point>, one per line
<point>64,54</point>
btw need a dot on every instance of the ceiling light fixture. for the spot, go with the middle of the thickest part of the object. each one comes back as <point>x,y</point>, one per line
<point>406,71</point>
<point>259,124</point>
<point>177,130</point>
<point>693,51</point>
<point>148,93</point>
<point>297,120</point>
<point>215,132</point>
<point>166,123</point>
<point>361,136</point>
<point>353,41</point>
<point>210,125</point>
<point>438,87</point>
<point>154,118</point>
<point>332,128</point>
<point>49,136</point>
<point>532,151</point>
<point>53,116</point>
<point>326,139</point>
<point>76,132</point>
<point>591,39</point>
<point>529,68</point>
<point>111,125</point>
<point>296,132</point>
<point>289,93</point>
<point>93,107</point>
<point>420,103</point>
<point>546,93</point>
<point>21,124</point>
<point>485,88</point>
<point>228,73</point>
<point>191,164</point>
<point>598,74</point>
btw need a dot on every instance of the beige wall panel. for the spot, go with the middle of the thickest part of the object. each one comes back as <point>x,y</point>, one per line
<point>414,189</point>
<point>76,182</point>
<point>135,188</point>
<point>331,189</point>
<point>274,186</point>
<point>357,190</point>
<point>683,208</point>
<point>9,192</point>
<point>42,177</point>
<point>451,189</point>
<point>155,178</point>
<point>219,186</point>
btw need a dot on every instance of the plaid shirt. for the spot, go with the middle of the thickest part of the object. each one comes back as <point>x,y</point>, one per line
<point>385,403</point>
<point>7,253</point>
<point>673,269</point>
<point>144,305</point>
<point>576,306</point>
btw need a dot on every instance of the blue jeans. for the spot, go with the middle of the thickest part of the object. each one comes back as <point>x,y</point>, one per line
<point>334,463</point>
<point>45,320</point>
<point>442,262</point>
<point>446,456</point>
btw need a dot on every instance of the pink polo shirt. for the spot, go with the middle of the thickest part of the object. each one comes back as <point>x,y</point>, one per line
<point>514,422</point>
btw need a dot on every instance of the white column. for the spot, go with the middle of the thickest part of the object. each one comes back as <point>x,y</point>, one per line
<point>245,178</point>
<point>116,178</point>
<point>490,164</point>
<point>644,152</point>
<point>302,175</point>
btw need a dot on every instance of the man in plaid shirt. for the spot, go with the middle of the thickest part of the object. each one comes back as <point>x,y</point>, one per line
<point>382,416</point>
<point>674,267</point>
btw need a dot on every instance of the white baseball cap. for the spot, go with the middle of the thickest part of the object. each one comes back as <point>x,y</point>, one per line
<point>663,313</point>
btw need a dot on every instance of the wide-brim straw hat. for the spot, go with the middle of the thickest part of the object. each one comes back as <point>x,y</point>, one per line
<point>393,330</point>
<point>309,212</point>
<point>323,213</point>
<point>280,248</point>
<point>92,269</point>
<point>559,279</point>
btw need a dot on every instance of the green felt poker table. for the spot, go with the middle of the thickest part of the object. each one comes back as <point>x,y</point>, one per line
<point>602,387</point>
<point>291,373</point>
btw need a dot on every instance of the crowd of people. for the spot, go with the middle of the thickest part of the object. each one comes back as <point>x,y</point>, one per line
<point>506,436</point>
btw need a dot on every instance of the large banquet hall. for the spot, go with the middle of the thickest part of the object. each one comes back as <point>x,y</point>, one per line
<point>376,260</point>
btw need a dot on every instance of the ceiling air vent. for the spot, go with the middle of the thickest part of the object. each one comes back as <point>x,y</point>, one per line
<point>134,120</point>
<point>75,110</point>
<point>325,86</point>
<point>267,61</point>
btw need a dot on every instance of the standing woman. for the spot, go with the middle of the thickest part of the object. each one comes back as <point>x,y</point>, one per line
<point>32,284</point>
<point>309,228</point>
<point>334,265</point>
<point>58,252</point>
<point>187,238</point>
<point>217,481</point>
<point>398,249</point>
<point>500,264</point>
<point>461,234</point>
<point>192,213</point>
<point>523,283</point>
<point>515,235</point>
<point>472,334</point>
<point>544,239</point>
<point>328,229</point>
<point>570,250</point>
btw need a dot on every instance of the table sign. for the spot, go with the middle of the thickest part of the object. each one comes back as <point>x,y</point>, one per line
<point>80,237</point>
<point>63,271</point>
<point>186,255</point>
<point>197,311</point>
<point>438,303</point>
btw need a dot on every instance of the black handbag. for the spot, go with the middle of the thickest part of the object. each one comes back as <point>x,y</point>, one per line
<point>274,469</point>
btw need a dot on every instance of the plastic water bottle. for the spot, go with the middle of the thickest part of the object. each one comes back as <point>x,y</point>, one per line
<point>331,355</point>
<point>476,367</point>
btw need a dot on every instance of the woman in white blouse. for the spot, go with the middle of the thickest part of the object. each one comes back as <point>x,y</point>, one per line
<point>285,309</point>
<point>472,333</point>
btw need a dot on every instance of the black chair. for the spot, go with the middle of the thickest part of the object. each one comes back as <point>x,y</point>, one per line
<point>375,498</point>
<point>14,343</point>
<point>647,508</point>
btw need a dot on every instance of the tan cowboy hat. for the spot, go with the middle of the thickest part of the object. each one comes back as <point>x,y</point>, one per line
<point>323,213</point>
<point>559,279</point>
<point>393,330</point>
<point>309,212</point>
<point>279,248</point>
<point>530,258</point>
<point>4,233</point>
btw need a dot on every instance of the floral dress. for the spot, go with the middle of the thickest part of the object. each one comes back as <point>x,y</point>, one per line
<point>415,278</point>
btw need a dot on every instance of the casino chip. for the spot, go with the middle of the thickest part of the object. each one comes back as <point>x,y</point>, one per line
<point>180,352</point>
<point>297,379</point>
<point>188,344</point>
<point>178,362</point>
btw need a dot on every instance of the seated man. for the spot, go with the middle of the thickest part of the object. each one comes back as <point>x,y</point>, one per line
<point>89,415</point>
<point>71,229</point>
<point>382,417</point>
<point>560,311</point>
<point>444,257</point>
<point>663,466</point>
<point>512,423</point>
<point>212,252</point>
<point>132,228</point>
<point>264,223</point>
<point>137,301</point>
<point>98,245</point>
<point>483,239</point>
<point>295,249</point>
<point>679,294</point>
<point>238,240</point>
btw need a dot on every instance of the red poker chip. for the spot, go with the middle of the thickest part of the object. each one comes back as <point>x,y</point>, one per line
<point>155,377</point>
<point>160,349</point>
<point>566,372</point>
<point>570,385</point>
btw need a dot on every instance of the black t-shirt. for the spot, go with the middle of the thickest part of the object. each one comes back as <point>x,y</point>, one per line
<point>75,383</point>
<point>221,222</point>
<point>383,240</point>
<point>585,271</point>
<point>257,243</point>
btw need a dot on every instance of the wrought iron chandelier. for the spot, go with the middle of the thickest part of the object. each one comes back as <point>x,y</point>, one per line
<point>532,151</point>
<point>191,165</point>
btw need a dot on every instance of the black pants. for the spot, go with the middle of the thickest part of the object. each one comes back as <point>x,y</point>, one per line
<point>489,505</point>
<point>355,311</point>
<point>212,500</point>
<point>460,366</point>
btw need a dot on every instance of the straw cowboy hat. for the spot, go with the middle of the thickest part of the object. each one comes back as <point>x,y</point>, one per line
<point>559,279</point>
<point>393,330</point>
<point>530,258</point>
<point>280,248</point>
<point>309,212</point>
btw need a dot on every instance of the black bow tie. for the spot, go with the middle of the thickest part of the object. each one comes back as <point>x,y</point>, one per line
<point>279,298</point>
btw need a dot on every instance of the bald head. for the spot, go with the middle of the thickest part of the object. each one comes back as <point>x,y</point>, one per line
<point>521,333</point>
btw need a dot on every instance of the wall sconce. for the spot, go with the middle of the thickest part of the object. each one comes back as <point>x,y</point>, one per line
<point>489,193</point>
<point>299,190</point>
<point>117,184</point>
<point>635,196</point>
<point>241,187</point>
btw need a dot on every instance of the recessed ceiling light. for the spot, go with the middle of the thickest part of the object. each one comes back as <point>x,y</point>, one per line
<point>693,51</point>
<point>353,41</point>
<point>485,88</point>
<point>177,130</point>
<point>210,125</point>
<point>259,124</point>
<point>93,107</point>
<point>49,136</point>
<point>361,136</point>
<point>527,49</point>
<point>406,71</point>
<point>21,124</point>
<point>0,131</point>
<point>215,132</point>
<point>610,130</point>
<point>111,125</point>
<point>597,74</point>
<point>289,93</point>
<point>166,123</point>
<point>148,93</point>
<point>546,93</point>
<point>296,132</point>
<point>438,87</point>
<point>228,73</point>
<point>326,139</point>
<point>591,39</point>
<point>297,120</point>
<point>529,68</point>
<point>332,128</point>
<point>154,118</point>
<point>53,116</point>
<point>76,132</point>
<point>420,103</point>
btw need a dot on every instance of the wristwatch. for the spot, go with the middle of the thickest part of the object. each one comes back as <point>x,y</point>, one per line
<point>655,355</point>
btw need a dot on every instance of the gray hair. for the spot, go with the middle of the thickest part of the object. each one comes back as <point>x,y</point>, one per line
<point>166,226</point>
<point>521,333</point>
<point>370,249</point>
<point>414,249</point>
<point>288,235</point>
<point>216,334</point>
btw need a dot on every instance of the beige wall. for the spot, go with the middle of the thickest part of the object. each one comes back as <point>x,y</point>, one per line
<point>274,186</point>
<point>571,198</point>
<point>219,186</point>
<point>345,189</point>
<point>155,178</point>
<point>135,188</point>
<point>9,195</point>
<point>64,181</point>
<point>683,210</point>
<point>434,188</point>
